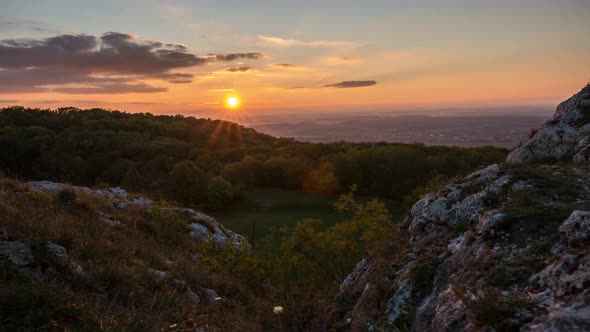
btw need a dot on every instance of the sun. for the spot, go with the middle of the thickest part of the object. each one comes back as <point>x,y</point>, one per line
<point>232,102</point>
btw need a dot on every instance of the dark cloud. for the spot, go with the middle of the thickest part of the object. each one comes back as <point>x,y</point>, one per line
<point>7,101</point>
<point>351,84</point>
<point>175,77</point>
<point>284,65</point>
<point>237,56</point>
<point>115,60</point>
<point>113,89</point>
<point>239,69</point>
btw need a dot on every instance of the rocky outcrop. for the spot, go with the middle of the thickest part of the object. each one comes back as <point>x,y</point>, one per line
<point>565,137</point>
<point>505,248</point>
<point>565,295</point>
<point>577,226</point>
<point>16,252</point>
<point>201,226</point>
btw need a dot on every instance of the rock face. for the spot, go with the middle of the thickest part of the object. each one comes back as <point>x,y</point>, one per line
<point>202,227</point>
<point>16,252</point>
<point>505,248</point>
<point>565,137</point>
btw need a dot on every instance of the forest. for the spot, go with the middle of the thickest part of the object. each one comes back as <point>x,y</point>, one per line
<point>209,163</point>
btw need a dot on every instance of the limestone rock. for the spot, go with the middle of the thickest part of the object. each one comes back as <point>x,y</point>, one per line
<point>108,219</point>
<point>576,226</point>
<point>565,137</point>
<point>16,252</point>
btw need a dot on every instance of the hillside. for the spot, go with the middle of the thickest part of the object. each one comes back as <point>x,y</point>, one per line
<point>503,249</point>
<point>178,158</point>
<point>77,259</point>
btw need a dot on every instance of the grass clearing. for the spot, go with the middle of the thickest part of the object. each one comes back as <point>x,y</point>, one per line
<point>277,207</point>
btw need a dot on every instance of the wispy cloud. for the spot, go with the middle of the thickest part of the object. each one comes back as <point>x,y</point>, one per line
<point>351,84</point>
<point>238,69</point>
<point>112,89</point>
<point>10,24</point>
<point>284,65</point>
<point>283,42</point>
<point>221,90</point>
<point>236,56</point>
<point>339,85</point>
<point>340,60</point>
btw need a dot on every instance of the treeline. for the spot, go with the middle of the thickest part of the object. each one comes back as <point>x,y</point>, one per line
<point>204,161</point>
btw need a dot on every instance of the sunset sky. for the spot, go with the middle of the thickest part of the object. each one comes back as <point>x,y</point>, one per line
<point>301,56</point>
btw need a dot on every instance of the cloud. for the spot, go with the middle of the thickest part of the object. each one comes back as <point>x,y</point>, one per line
<point>175,77</point>
<point>351,84</point>
<point>221,90</point>
<point>236,56</point>
<point>282,42</point>
<point>283,65</point>
<point>113,61</point>
<point>239,69</point>
<point>340,60</point>
<point>16,25</point>
<point>7,101</point>
<point>112,89</point>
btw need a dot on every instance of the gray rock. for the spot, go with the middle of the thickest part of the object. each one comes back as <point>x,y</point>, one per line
<point>212,296</point>
<point>56,251</point>
<point>573,317</point>
<point>194,298</point>
<point>456,243</point>
<point>561,138</point>
<point>16,252</point>
<point>60,254</point>
<point>489,220</point>
<point>159,275</point>
<point>576,226</point>
<point>360,269</point>
<point>395,305</point>
<point>108,219</point>
<point>449,312</point>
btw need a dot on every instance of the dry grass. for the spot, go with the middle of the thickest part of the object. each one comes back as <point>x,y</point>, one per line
<point>117,292</point>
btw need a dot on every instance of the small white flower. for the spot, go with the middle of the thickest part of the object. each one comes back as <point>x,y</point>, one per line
<point>277,310</point>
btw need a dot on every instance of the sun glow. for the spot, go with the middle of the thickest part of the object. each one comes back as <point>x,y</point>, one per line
<point>232,102</point>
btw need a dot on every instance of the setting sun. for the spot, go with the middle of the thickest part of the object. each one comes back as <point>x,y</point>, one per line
<point>232,102</point>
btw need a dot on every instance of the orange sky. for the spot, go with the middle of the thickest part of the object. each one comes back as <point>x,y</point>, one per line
<point>435,54</point>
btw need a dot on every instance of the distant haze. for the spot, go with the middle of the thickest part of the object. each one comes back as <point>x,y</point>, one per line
<point>502,127</point>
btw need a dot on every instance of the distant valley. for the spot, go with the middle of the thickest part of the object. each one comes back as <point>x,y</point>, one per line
<point>466,130</point>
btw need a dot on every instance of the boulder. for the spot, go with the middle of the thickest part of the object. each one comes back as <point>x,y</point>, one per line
<point>564,137</point>
<point>16,252</point>
<point>576,226</point>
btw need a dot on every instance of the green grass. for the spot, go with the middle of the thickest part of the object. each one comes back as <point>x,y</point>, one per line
<point>270,208</point>
<point>277,207</point>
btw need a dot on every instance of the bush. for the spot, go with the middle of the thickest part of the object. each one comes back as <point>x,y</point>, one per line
<point>219,193</point>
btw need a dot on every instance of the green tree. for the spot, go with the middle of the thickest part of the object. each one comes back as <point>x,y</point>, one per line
<point>219,193</point>
<point>188,183</point>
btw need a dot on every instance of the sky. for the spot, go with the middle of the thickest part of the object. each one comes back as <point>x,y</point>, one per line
<point>188,57</point>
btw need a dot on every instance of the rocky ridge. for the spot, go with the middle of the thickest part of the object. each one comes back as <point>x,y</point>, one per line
<point>202,227</point>
<point>503,249</point>
<point>100,217</point>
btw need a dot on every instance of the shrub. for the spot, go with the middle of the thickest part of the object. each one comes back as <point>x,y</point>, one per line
<point>490,308</point>
<point>422,274</point>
